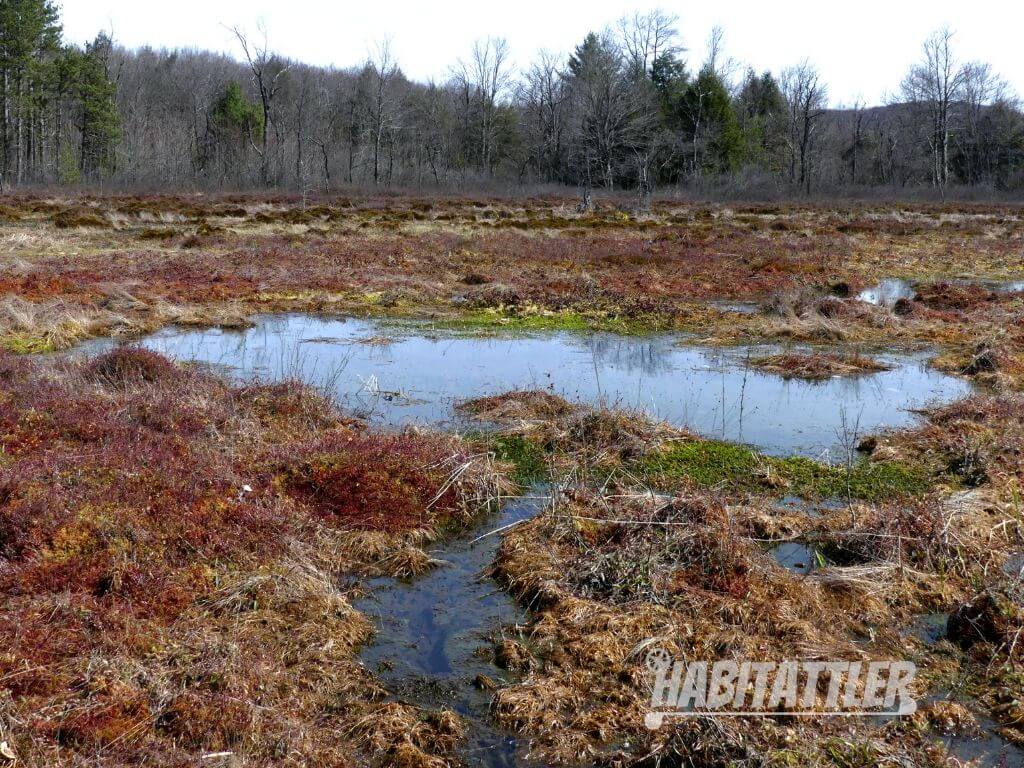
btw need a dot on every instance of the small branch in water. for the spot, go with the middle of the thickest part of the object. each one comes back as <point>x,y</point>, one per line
<point>497,530</point>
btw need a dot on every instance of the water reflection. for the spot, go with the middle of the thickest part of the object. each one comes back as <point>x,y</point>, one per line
<point>888,292</point>
<point>891,290</point>
<point>421,374</point>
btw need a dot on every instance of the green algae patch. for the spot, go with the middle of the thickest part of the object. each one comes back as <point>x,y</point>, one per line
<point>736,468</point>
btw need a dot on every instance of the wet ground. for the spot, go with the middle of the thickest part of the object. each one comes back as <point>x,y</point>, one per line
<point>432,631</point>
<point>796,556</point>
<point>398,375</point>
<point>435,632</point>
<point>887,292</point>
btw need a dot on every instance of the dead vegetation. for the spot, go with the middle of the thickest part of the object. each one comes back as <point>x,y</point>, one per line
<point>614,568</point>
<point>180,558</point>
<point>512,263</point>
<point>609,575</point>
<point>815,366</point>
<point>595,437</point>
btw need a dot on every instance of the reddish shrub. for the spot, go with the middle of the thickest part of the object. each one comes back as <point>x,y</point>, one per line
<point>113,714</point>
<point>205,720</point>
<point>380,482</point>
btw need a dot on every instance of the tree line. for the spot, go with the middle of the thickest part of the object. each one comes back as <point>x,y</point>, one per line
<point>622,111</point>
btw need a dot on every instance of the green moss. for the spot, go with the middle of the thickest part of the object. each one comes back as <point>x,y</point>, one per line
<point>527,457</point>
<point>541,320</point>
<point>705,463</point>
<point>25,344</point>
<point>739,469</point>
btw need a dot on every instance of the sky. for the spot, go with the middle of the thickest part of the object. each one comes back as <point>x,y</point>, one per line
<point>862,49</point>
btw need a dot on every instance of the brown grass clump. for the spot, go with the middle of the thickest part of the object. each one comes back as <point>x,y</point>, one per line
<point>519,406</point>
<point>74,218</point>
<point>994,617</point>
<point>131,366</point>
<point>805,315</point>
<point>817,366</point>
<point>953,296</point>
<point>993,361</point>
<point>43,326</point>
<point>979,440</point>
<point>158,233</point>
<point>604,436</point>
<point>611,575</point>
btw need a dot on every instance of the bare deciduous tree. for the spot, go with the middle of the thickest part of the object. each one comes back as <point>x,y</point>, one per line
<point>382,71</point>
<point>936,83</point>
<point>647,36</point>
<point>267,70</point>
<point>806,97</point>
<point>483,79</point>
<point>542,97</point>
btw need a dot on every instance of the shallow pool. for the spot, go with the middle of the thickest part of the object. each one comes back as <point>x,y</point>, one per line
<point>412,374</point>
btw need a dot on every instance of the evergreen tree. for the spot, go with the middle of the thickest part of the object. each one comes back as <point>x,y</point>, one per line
<point>29,43</point>
<point>234,118</point>
<point>709,119</point>
<point>669,76</point>
<point>761,109</point>
<point>99,120</point>
<point>234,124</point>
<point>605,105</point>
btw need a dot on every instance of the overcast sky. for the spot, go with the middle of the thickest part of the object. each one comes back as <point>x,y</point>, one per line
<point>861,48</point>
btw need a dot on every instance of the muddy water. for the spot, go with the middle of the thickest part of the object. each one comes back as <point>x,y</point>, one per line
<point>431,629</point>
<point>411,374</point>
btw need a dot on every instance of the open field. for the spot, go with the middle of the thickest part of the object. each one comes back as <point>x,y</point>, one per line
<point>184,558</point>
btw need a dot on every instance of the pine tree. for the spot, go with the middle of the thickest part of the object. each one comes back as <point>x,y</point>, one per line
<point>233,126</point>
<point>29,43</point>
<point>761,109</point>
<point>100,122</point>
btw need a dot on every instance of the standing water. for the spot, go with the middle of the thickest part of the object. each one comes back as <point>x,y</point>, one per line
<point>430,632</point>
<point>414,375</point>
<point>430,629</point>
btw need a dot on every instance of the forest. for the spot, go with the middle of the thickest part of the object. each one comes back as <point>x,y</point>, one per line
<point>624,111</point>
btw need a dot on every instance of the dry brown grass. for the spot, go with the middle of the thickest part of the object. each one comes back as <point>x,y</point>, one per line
<point>815,366</point>
<point>589,436</point>
<point>608,576</point>
<point>610,572</point>
<point>498,258</point>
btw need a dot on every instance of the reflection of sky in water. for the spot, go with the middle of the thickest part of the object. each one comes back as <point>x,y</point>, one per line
<point>890,290</point>
<point>710,391</point>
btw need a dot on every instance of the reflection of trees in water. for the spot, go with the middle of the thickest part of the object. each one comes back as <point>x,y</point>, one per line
<point>649,355</point>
